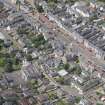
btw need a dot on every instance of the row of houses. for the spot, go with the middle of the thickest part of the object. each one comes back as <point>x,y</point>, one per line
<point>65,18</point>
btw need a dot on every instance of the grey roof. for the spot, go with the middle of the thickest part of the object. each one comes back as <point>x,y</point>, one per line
<point>94,36</point>
<point>31,71</point>
<point>85,102</point>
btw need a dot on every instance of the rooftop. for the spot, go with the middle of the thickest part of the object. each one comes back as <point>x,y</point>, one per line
<point>62,73</point>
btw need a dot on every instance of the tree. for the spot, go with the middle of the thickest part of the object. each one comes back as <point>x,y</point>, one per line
<point>1,6</point>
<point>1,47</point>
<point>78,70</point>
<point>60,80</point>
<point>1,41</point>
<point>29,58</point>
<point>61,102</point>
<point>94,17</point>
<point>33,10</point>
<point>99,94</point>
<point>9,67</point>
<point>1,44</point>
<point>52,95</point>
<point>101,0</point>
<point>34,82</point>
<point>99,104</point>
<point>39,8</point>
<point>78,99</point>
<point>1,100</point>
<point>38,40</point>
<point>53,1</point>
<point>18,4</point>
<point>16,61</point>
<point>2,62</point>
<point>66,66</point>
<point>71,1</point>
<point>77,61</point>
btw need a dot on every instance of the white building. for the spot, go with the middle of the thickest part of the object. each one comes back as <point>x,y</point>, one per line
<point>103,26</point>
<point>82,8</point>
<point>62,73</point>
<point>82,12</point>
<point>2,37</point>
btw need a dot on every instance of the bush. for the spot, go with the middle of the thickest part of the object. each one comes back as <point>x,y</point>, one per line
<point>2,62</point>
